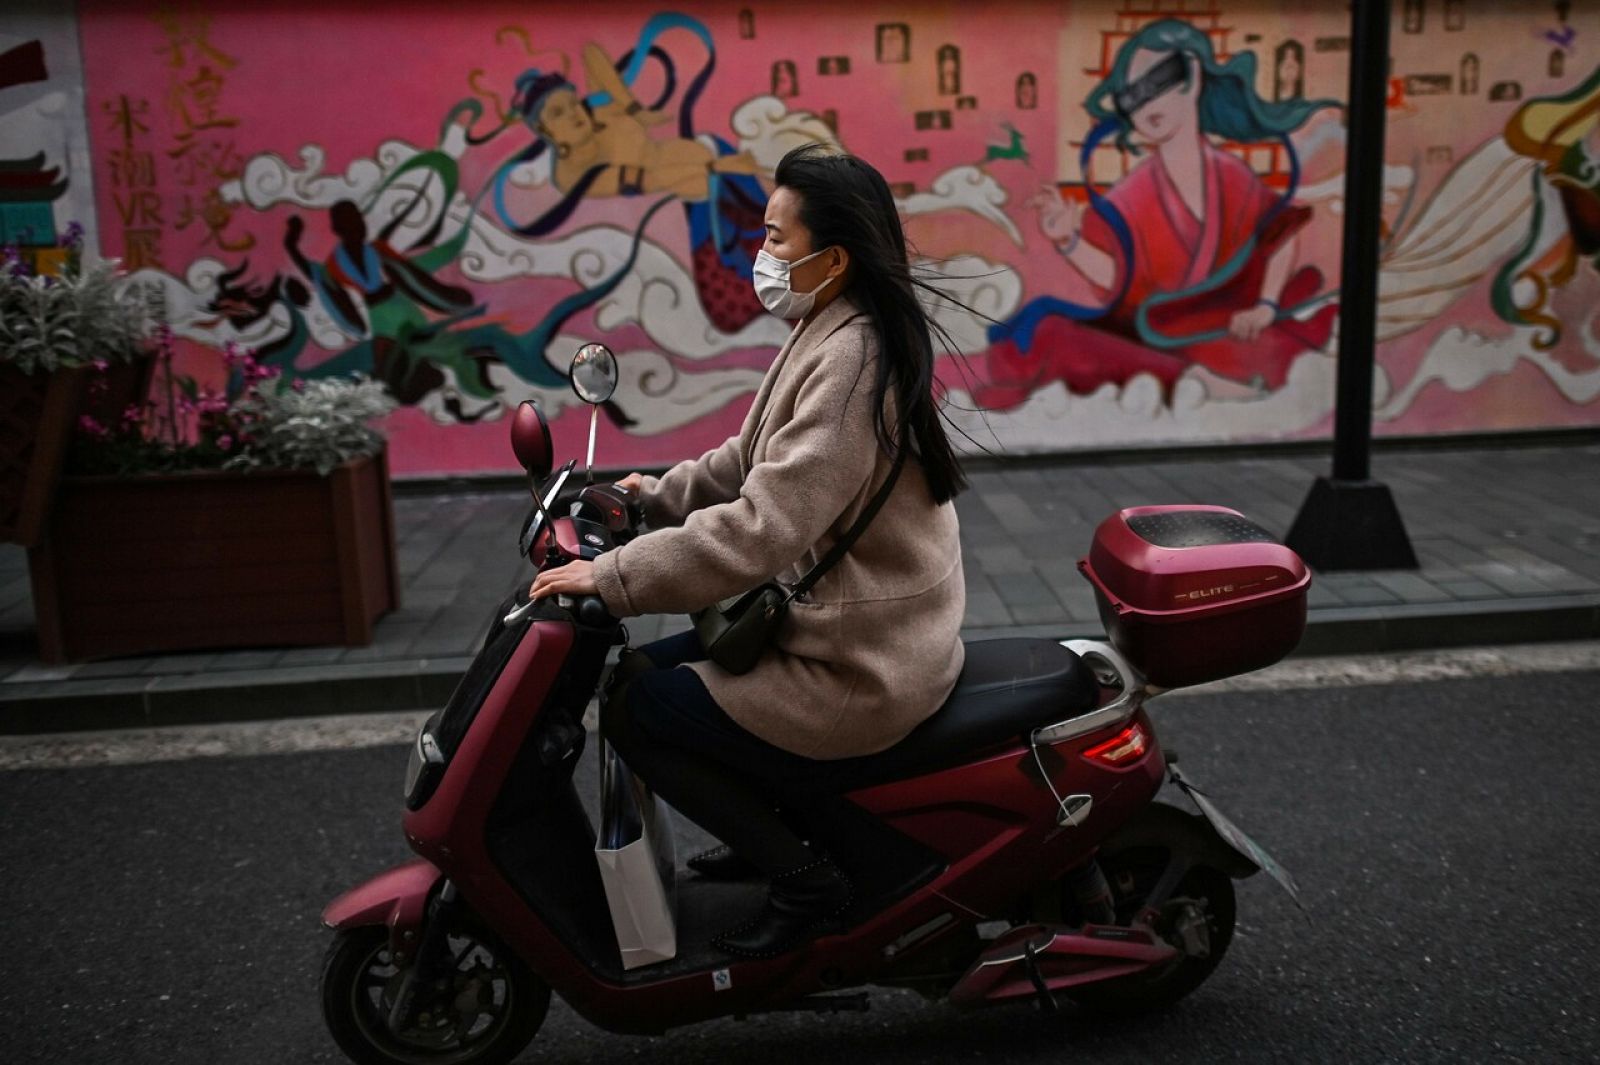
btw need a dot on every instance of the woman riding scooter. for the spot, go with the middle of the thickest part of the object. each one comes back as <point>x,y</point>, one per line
<point>846,414</point>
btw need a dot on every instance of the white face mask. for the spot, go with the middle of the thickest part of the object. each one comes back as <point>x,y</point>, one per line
<point>771,277</point>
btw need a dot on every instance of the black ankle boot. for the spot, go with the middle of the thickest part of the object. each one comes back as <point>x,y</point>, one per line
<point>800,906</point>
<point>722,863</point>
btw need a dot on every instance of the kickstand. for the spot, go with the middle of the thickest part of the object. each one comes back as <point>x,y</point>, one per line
<point>1047,1001</point>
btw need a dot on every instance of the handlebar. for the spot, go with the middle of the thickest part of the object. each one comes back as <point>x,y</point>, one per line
<point>599,517</point>
<point>590,610</point>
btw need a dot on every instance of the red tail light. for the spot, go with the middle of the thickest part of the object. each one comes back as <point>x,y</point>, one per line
<point>1125,748</point>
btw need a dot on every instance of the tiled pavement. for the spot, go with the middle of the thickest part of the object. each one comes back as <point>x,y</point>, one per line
<point>1508,539</point>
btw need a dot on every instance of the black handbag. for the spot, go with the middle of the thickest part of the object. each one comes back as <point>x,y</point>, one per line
<point>737,631</point>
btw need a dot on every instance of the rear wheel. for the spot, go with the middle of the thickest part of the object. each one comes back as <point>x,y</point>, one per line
<point>483,1009</point>
<point>1197,919</point>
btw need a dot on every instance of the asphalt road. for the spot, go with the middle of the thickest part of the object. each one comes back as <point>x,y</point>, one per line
<point>1446,836</point>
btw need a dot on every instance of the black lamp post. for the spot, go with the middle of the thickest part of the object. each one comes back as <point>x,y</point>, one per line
<point>1349,520</point>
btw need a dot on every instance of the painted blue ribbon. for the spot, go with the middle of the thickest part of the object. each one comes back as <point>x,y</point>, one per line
<point>1020,328</point>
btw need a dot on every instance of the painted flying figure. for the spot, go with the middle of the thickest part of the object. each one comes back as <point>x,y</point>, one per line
<point>603,147</point>
<point>1191,256</point>
<point>398,343</point>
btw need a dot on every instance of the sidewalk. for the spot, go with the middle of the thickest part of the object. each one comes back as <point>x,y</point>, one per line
<point>1508,538</point>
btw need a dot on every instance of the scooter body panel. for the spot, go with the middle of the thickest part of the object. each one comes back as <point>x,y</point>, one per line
<point>449,828</point>
<point>995,821</point>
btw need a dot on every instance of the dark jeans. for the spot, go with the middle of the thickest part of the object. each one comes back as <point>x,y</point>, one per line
<point>670,731</point>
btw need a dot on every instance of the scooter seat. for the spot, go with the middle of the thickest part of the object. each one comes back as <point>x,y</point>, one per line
<point>1007,688</point>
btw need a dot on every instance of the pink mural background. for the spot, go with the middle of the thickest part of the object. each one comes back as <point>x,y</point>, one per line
<point>210,131</point>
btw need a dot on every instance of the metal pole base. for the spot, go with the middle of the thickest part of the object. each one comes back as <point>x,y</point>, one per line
<point>1351,525</point>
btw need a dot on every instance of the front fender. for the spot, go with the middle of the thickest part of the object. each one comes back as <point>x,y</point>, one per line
<point>397,898</point>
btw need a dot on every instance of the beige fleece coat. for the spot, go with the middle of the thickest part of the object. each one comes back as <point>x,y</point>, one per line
<point>875,648</point>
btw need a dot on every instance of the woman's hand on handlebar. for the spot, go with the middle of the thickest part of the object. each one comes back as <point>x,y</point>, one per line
<point>575,578</point>
<point>633,482</point>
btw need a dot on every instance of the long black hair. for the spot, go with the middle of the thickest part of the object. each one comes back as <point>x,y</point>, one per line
<point>844,202</point>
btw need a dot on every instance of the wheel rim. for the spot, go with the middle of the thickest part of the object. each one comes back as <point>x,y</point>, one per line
<point>452,1021</point>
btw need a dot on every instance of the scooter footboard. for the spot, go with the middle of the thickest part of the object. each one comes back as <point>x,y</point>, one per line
<point>397,898</point>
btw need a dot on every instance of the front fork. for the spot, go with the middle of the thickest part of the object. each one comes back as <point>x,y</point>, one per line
<point>427,960</point>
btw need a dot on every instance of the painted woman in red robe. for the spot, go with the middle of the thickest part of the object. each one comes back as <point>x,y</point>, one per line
<point>1191,256</point>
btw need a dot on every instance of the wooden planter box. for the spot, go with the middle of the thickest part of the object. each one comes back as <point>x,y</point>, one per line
<point>193,561</point>
<point>37,414</point>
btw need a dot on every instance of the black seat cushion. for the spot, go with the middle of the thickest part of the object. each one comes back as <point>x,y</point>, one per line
<point>1007,688</point>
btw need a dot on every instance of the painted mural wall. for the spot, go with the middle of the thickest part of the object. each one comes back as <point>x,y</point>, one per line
<point>46,180</point>
<point>1135,205</point>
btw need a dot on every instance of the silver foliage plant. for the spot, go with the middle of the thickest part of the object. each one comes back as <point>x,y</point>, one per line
<point>317,424</point>
<point>83,316</point>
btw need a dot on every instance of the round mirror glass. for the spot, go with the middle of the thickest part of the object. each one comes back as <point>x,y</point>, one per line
<point>594,373</point>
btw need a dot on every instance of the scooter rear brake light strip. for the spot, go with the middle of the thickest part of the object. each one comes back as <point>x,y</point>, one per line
<point>1125,748</point>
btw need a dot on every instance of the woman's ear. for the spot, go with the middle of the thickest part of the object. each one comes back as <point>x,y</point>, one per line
<point>840,265</point>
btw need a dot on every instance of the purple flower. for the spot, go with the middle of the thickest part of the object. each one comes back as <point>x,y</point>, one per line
<point>100,365</point>
<point>89,425</point>
<point>225,442</point>
<point>12,262</point>
<point>73,236</point>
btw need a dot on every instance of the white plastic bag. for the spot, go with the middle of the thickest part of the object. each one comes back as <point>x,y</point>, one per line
<point>638,864</point>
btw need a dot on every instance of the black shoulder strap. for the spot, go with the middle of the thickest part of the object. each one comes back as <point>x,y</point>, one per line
<point>859,526</point>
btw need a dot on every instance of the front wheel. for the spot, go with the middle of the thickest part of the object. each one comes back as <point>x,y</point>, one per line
<point>483,1009</point>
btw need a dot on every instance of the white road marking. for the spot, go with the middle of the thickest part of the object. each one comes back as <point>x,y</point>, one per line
<point>72,750</point>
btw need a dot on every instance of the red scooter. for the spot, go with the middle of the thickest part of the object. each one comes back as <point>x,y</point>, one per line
<point>1008,850</point>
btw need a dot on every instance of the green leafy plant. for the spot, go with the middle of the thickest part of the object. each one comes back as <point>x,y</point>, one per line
<point>78,318</point>
<point>256,421</point>
<point>316,424</point>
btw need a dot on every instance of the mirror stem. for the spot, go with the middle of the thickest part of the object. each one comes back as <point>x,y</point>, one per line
<point>594,418</point>
<point>552,554</point>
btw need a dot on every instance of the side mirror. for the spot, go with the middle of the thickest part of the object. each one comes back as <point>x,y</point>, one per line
<point>530,439</point>
<point>594,374</point>
<point>594,378</point>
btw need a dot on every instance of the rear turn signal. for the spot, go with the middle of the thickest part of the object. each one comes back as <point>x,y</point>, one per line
<point>1125,748</point>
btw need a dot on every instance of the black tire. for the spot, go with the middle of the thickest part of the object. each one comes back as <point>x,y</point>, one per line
<point>1205,890</point>
<point>359,978</point>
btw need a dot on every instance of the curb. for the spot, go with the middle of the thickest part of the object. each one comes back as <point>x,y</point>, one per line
<point>32,708</point>
<point>242,695</point>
